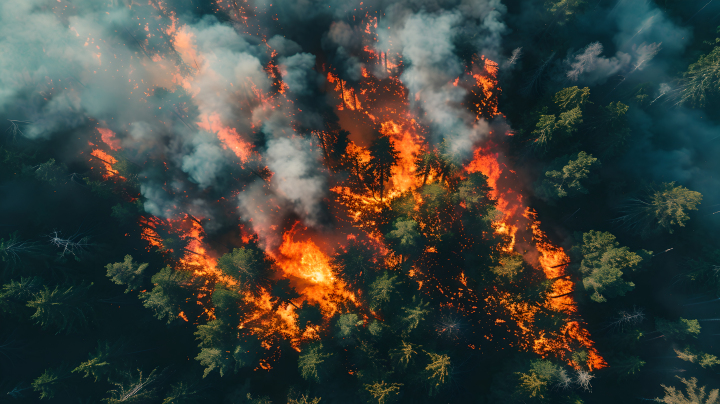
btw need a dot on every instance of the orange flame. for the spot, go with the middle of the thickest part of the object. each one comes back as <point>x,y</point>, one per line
<point>107,162</point>
<point>108,136</point>
<point>310,270</point>
<point>227,135</point>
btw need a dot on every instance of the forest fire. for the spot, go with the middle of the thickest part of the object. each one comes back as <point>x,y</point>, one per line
<point>107,163</point>
<point>372,109</point>
<point>377,202</point>
<point>310,272</point>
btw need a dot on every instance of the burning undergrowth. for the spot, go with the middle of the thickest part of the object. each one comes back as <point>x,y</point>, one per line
<point>339,186</point>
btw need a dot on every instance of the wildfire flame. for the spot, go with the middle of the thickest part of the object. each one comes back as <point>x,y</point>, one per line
<point>379,105</point>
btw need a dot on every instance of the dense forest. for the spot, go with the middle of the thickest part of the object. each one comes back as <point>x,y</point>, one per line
<point>452,201</point>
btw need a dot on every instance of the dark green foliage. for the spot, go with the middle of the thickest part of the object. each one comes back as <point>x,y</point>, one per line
<point>249,266</point>
<point>282,292</point>
<point>355,265</point>
<point>63,308</point>
<point>604,263</point>
<point>312,362</point>
<point>701,81</point>
<point>99,364</point>
<point>51,382</point>
<point>552,128</point>
<point>169,293</point>
<point>133,387</point>
<point>663,207</point>
<point>614,130</point>
<point>49,172</point>
<point>704,270</point>
<point>404,236</point>
<point>183,393</point>
<point>678,330</point>
<point>127,273</point>
<point>347,327</point>
<point>570,178</point>
<point>627,366</point>
<point>414,315</point>
<point>473,193</point>
<point>124,213</point>
<point>382,290</point>
<point>15,294</point>
<point>383,157</point>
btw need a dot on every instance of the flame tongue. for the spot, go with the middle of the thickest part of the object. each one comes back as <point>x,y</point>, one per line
<point>311,272</point>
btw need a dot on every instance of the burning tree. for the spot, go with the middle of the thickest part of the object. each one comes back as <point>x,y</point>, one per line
<point>383,157</point>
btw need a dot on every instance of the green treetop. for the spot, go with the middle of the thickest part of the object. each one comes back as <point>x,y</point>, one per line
<point>678,330</point>
<point>604,263</point>
<point>663,207</point>
<point>169,293</point>
<point>127,273</point>
<point>65,308</point>
<point>249,266</point>
<point>311,362</point>
<point>570,179</point>
<point>568,104</point>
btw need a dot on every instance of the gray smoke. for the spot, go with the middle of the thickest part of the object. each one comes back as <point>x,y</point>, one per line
<point>426,42</point>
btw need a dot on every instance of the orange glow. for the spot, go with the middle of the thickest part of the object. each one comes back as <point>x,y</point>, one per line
<point>108,137</point>
<point>409,144</point>
<point>310,271</point>
<point>107,161</point>
<point>227,135</point>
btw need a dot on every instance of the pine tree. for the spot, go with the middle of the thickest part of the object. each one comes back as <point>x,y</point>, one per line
<point>695,395</point>
<point>678,330</point>
<point>414,315</point>
<point>249,266</point>
<point>311,362</point>
<point>168,294</point>
<point>214,358</point>
<point>406,235</point>
<point>183,393</point>
<point>404,355</point>
<point>702,80</point>
<point>65,308</point>
<point>604,263</point>
<point>569,179</point>
<point>49,383</point>
<point>356,264</point>
<point>437,372</point>
<point>382,290</point>
<point>127,273</point>
<point>15,295</point>
<point>131,387</point>
<point>98,365</point>
<point>347,326</point>
<point>383,157</point>
<point>383,392</point>
<point>663,207</point>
